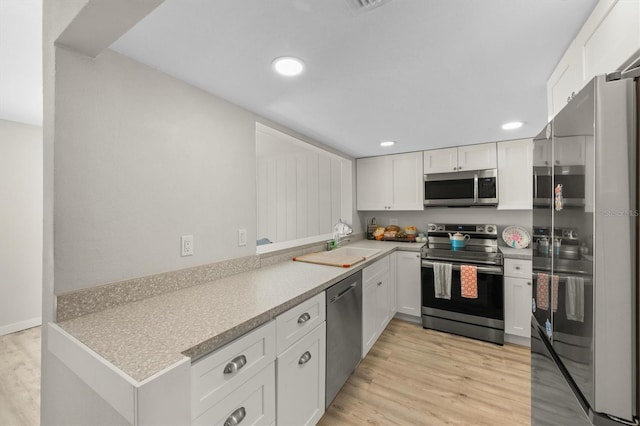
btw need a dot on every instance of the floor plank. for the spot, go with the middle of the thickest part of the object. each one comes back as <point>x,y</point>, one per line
<point>414,376</point>
<point>20,378</point>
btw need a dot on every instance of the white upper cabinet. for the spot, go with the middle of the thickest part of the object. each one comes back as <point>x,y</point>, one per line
<point>463,158</point>
<point>570,151</point>
<point>608,41</point>
<point>542,155</point>
<point>441,160</point>
<point>515,174</point>
<point>477,157</point>
<point>390,182</point>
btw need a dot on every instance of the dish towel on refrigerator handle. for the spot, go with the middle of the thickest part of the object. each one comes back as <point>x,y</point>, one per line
<point>469,281</point>
<point>442,280</point>
<point>542,291</point>
<point>574,298</point>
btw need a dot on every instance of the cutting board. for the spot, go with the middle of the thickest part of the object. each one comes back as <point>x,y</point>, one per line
<point>327,258</point>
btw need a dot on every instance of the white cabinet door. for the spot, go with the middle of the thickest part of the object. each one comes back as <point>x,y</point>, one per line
<point>301,380</point>
<point>406,181</point>
<point>372,183</point>
<point>515,170</point>
<point>393,280</point>
<point>517,303</point>
<point>376,311</point>
<point>570,151</point>
<point>608,41</point>
<point>369,316</point>
<point>542,155</point>
<point>441,160</point>
<point>477,157</point>
<point>408,283</point>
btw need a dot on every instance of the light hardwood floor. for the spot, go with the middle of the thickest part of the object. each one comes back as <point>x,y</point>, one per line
<point>414,376</point>
<point>411,376</point>
<point>20,378</point>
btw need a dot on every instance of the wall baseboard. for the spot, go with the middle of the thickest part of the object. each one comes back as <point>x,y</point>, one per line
<point>19,326</point>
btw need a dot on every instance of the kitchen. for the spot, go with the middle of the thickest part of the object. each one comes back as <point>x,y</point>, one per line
<point>98,206</point>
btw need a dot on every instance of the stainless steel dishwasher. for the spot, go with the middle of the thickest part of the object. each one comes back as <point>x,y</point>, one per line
<point>344,332</point>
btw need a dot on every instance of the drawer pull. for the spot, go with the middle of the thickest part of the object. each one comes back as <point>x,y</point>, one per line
<point>380,283</point>
<point>236,364</point>
<point>304,318</point>
<point>304,358</point>
<point>236,417</point>
<point>517,268</point>
<point>528,282</point>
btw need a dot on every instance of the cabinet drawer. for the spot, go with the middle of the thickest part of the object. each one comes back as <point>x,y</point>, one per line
<point>299,320</point>
<point>301,380</point>
<point>216,375</point>
<point>253,403</point>
<point>517,268</point>
<point>377,268</point>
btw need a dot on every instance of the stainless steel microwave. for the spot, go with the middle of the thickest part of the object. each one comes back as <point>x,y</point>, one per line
<point>461,189</point>
<point>572,179</point>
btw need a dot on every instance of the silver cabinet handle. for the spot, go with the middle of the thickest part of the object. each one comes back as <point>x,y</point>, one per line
<point>455,168</point>
<point>528,282</point>
<point>418,256</point>
<point>380,283</point>
<point>236,364</point>
<point>236,417</point>
<point>304,318</point>
<point>517,268</point>
<point>304,358</point>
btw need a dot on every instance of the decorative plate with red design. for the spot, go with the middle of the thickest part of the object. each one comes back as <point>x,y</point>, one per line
<point>516,236</point>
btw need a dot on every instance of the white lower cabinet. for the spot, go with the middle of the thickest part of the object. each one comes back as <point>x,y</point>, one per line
<point>517,299</point>
<point>253,403</point>
<point>376,311</point>
<point>408,283</point>
<point>279,364</point>
<point>238,381</point>
<point>301,380</point>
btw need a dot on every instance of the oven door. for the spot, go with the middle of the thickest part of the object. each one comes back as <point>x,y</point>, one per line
<point>486,310</point>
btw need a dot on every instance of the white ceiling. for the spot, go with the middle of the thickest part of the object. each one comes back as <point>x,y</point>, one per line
<point>425,73</point>
<point>21,61</point>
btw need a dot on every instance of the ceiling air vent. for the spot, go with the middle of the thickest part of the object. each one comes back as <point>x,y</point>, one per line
<point>361,6</point>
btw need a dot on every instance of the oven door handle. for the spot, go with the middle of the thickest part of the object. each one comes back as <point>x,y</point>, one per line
<point>495,270</point>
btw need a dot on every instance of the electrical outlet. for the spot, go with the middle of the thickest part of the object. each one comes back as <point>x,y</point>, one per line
<point>393,222</point>
<point>242,237</point>
<point>186,245</point>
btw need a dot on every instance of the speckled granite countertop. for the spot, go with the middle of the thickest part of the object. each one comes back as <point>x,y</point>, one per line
<point>513,253</point>
<point>142,338</point>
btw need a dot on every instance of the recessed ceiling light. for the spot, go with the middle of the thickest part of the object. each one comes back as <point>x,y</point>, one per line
<point>512,125</point>
<point>387,143</point>
<point>288,66</point>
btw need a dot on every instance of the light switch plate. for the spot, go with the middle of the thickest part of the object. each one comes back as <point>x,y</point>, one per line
<point>242,237</point>
<point>186,245</point>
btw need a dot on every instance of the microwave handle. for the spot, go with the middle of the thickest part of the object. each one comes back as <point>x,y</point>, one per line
<point>475,188</point>
<point>535,184</point>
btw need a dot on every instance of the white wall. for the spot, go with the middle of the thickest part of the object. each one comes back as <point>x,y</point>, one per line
<point>20,226</point>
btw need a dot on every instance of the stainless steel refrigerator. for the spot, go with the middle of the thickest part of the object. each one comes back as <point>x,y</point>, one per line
<point>585,237</point>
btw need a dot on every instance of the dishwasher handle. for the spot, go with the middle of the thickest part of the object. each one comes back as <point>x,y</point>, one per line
<point>343,293</point>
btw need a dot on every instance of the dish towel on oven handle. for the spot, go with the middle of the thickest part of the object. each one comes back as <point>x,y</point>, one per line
<point>542,291</point>
<point>442,280</point>
<point>469,281</point>
<point>574,298</point>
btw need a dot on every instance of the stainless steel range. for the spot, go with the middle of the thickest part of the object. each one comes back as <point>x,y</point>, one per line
<point>480,317</point>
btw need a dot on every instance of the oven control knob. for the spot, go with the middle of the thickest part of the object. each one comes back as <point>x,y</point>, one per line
<point>489,228</point>
<point>432,228</point>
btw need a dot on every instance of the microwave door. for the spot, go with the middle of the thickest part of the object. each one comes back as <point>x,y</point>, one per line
<point>449,189</point>
<point>542,186</point>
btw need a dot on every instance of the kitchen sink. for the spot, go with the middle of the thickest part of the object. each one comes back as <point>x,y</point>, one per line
<point>354,251</point>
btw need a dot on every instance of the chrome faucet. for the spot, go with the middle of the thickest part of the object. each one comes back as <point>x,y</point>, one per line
<point>341,232</point>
